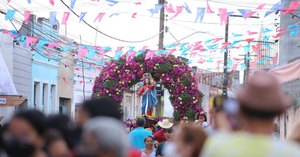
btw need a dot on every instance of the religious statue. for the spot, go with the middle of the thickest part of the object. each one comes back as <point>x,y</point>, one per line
<point>148,94</point>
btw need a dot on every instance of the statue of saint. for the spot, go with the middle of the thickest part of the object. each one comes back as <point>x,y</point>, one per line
<point>148,94</point>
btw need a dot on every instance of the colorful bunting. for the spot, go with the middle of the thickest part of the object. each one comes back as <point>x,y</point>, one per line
<point>27,15</point>
<point>261,6</point>
<point>187,8</point>
<point>99,17</point>
<point>293,7</point>
<point>294,33</point>
<point>10,15</point>
<point>112,2</point>
<point>169,8</point>
<point>51,2</point>
<point>82,53</point>
<point>244,12</point>
<point>81,16</point>
<point>275,7</point>
<point>72,4</point>
<point>114,14</point>
<point>208,8</point>
<point>156,9</point>
<point>200,14</point>
<point>8,1</point>
<point>29,1</point>
<point>65,18</point>
<point>134,15</point>
<point>52,18</point>
<point>223,15</point>
<point>178,11</point>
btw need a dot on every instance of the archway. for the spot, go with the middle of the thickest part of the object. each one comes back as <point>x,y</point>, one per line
<point>173,73</point>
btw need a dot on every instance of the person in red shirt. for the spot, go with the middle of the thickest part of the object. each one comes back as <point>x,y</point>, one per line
<point>159,136</point>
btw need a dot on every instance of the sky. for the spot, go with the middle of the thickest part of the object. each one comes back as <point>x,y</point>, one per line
<point>144,25</point>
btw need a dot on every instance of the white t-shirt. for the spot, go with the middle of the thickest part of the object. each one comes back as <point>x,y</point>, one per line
<point>150,155</point>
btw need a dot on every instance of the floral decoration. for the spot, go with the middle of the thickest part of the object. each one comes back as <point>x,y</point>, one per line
<point>173,73</point>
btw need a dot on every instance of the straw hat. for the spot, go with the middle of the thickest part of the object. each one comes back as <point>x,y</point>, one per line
<point>165,124</point>
<point>262,93</point>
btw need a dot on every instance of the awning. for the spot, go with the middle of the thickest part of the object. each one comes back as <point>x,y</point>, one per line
<point>288,72</point>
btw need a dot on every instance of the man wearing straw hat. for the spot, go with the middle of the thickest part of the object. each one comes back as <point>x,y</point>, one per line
<point>159,136</point>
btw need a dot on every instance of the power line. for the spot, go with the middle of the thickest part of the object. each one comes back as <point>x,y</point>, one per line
<point>127,41</point>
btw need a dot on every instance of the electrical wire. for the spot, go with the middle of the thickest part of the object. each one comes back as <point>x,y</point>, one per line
<point>127,41</point>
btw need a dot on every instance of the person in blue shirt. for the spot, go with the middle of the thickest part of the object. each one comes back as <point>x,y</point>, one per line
<point>138,135</point>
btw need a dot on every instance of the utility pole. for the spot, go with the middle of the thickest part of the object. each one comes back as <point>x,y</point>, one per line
<point>161,25</point>
<point>161,46</point>
<point>226,75</point>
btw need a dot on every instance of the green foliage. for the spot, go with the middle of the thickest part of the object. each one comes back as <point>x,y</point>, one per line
<point>109,84</point>
<point>121,62</point>
<point>185,97</point>
<point>165,67</point>
<point>186,81</point>
<point>191,114</point>
<point>139,59</point>
<point>176,116</point>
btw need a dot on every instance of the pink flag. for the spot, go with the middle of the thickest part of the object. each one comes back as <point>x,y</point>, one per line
<point>133,15</point>
<point>277,35</point>
<point>65,18</point>
<point>8,1</point>
<point>225,44</point>
<point>65,80</point>
<point>217,39</point>
<point>99,17</point>
<point>138,3</point>
<point>30,41</point>
<point>251,33</point>
<point>223,15</point>
<point>208,8</point>
<point>4,31</point>
<point>260,7</point>
<point>293,7</point>
<point>171,51</point>
<point>51,2</point>
<point>169,8</point>
<point>82,53</point>
<point>27,17</point>
<point>52,44</point>
<point>178,11</point>
<point>149,55</point>
<point>250,14</point>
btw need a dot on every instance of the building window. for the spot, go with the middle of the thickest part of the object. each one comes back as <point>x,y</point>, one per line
<point>45,98</point>
<point>53,97</point>
<point>36,95</point>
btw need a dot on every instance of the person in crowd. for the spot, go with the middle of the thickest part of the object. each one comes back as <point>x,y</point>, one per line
<point>149,150</point>
<point>159,136</point>
<point>295,134</point>
<point>188,142</point>
<point>218,116</point>
<point>64,126</point>
<point>138,135</point>
<point>103,137</point>
<point>23,136</point>
<point>104,106</point>
<point>201,119</point>
<point>55,145</point>
<point>261,100</point>
<point>161,146</point>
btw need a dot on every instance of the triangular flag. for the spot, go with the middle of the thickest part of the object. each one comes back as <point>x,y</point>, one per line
<point>82,53</point>
<point>200,14</point>
<point>29,1</point>
<point>294,33</point>
<point>41,43</point>
<point>118,55</point>
<point>133,15</point>
<point>169,8</point>
<point>244,12</point>
<point>208,8</point>
<point>65,18</point>
<point>156,9</point>
<point>267,30</point>
<point>10,15</point>
<point>178,11</point>
<point>223,15</point>
<point>114,14</point>
<point>261,6</point>
<point>52,18</point>
<point>8,1</point>
<point>292,26</point>
<point>187,8</point>
<point>293,7</point>
<point>51,2</point>
<point>72,4</point>
<point>275,7</point>
<point>81,16</point>
<point>30,41</point>
<point>27,17</point>
<point>112,2</point>
<point>99,17</point>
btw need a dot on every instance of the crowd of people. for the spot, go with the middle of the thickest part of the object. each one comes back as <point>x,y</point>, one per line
<point>239,127</point>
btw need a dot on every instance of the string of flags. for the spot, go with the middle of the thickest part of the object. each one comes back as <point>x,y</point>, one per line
<point>175,10</point>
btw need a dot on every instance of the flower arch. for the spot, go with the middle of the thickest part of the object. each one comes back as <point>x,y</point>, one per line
<point>173,73</point>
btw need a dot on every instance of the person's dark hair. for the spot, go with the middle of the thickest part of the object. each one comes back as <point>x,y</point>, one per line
<point>201,114</point>
<point>104,106</point>
<point>170,130</point>
<point>148,137</point>
<point>64,126</point>
<point>260,114</point>
<point>146,84</point>
<point>140,122</point>
<point>50,137</point>
<point>35,118</point>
